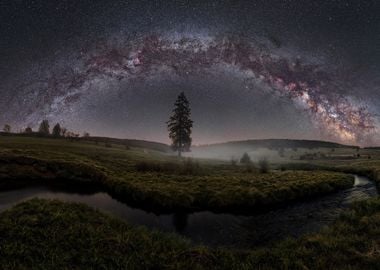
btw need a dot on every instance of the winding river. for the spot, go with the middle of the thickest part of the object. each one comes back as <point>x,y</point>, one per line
<point>216,229</point>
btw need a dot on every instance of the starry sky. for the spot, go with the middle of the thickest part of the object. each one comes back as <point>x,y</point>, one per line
<point>251,69</point>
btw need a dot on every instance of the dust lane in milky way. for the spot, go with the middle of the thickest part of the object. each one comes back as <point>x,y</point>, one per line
<point>251,69</point>
<point>309,85</point>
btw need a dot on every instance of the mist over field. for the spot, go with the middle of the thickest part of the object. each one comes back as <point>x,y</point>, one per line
<point>182,134</point>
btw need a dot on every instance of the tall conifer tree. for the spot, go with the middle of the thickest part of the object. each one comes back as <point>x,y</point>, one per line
<point>180,125</point>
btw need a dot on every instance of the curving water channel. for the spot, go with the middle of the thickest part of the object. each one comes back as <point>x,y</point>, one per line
<point>217,229</point>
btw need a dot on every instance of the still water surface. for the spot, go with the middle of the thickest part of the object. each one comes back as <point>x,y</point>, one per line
<point>216,229</point>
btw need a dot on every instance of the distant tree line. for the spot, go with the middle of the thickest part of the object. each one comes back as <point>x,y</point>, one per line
<point>44,130</point>
<point>179,126</point>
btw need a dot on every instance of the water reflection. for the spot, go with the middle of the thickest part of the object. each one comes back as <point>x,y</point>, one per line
<point>180,222</point>
<point>210,228</point>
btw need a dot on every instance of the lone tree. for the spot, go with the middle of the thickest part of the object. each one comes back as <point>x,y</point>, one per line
<point>7,128</point>
<point>44,128</point>
<point>57,130</point>
<point>180,125</point>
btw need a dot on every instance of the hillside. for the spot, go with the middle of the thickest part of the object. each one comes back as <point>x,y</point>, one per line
<point>161,147</point>
<point>280,143</point>
<point>267,147</point>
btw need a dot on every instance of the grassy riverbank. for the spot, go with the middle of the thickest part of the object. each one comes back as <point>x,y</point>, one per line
<point>43,234</point>
<point>365,167</point>
<point>157,181</point>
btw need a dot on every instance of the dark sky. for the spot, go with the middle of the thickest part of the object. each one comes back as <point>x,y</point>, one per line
<point>251,69</point>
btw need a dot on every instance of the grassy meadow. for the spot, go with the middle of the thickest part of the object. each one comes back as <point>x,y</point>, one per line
<point>155,180</point>
<point>49,234</point>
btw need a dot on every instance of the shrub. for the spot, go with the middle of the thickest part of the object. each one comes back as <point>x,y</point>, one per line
<point>245,159</point>
<point>28,130</point>
<point>263,165</point>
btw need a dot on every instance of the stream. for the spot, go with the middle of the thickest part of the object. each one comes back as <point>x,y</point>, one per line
<point>216,229</point>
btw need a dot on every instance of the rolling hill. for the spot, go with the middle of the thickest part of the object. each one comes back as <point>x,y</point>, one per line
<point>260,148</point>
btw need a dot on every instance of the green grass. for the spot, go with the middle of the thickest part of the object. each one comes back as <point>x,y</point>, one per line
<point>352,242</point>
<point>362,166</point>
<point>45,234</point>
<point>163,183</point>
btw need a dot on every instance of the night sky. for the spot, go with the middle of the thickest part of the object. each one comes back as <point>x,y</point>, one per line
<point>251,69</point>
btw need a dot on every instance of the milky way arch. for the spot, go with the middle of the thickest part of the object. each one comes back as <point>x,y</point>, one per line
<point>307,84</point>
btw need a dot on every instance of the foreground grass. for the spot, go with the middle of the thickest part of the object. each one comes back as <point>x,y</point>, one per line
<point>44,234</point>
<point>155,181</point>
<point>352,242</point>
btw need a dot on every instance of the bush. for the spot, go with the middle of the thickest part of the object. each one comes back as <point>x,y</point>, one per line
<point>28,130</point>
<point>263,165</point>
<point>245,159</point>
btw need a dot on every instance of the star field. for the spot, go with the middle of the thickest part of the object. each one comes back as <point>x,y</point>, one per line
<point>251,69</point>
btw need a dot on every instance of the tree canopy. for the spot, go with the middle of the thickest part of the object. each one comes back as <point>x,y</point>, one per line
<point>7,128</point>
<point>44,128</point>
<point>57,130</point>
<point>180,125</point>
